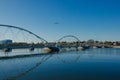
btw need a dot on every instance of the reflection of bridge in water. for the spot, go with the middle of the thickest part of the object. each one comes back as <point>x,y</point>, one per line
<point>39,61</point>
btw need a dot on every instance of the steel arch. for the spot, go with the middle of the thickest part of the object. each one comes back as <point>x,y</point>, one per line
<point>66,37</point>
<point>69,36</point>
<point>10,26</point>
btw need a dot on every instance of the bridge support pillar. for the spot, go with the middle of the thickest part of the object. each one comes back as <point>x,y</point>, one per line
<point>51,49</point>
<point>7,49</point>
<point>31,49</point>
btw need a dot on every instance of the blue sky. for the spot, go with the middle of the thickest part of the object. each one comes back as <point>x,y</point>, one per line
<point>86,19</point>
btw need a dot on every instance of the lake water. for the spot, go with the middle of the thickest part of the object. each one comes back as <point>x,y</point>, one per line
<point>91,64</point>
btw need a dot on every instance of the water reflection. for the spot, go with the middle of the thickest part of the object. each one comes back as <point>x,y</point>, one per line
<point>95,64</point>
<point>43,59</point>
<point>12,69</point>
<point>69,58</point>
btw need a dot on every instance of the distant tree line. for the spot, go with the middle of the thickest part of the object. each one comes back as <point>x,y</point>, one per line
<point>65,43</point>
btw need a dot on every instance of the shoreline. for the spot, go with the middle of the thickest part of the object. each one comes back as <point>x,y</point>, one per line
<point>116,46</point>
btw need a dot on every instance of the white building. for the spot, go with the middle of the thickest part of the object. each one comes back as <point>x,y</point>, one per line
<point>7,41</point>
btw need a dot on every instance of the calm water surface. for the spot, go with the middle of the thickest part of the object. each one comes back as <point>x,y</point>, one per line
<point>92,64</point>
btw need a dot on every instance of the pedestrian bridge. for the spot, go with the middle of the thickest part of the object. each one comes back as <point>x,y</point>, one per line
<point>23,38</point>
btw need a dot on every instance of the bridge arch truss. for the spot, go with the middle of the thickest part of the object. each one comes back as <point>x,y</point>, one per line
<point>25,30</point>
<point>68,36</point>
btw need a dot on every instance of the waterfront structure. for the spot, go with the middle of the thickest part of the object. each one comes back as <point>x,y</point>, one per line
<point>7,41</point>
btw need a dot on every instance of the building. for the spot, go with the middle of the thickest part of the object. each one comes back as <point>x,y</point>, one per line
<point>7,41</point>
<point>90,41</point>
